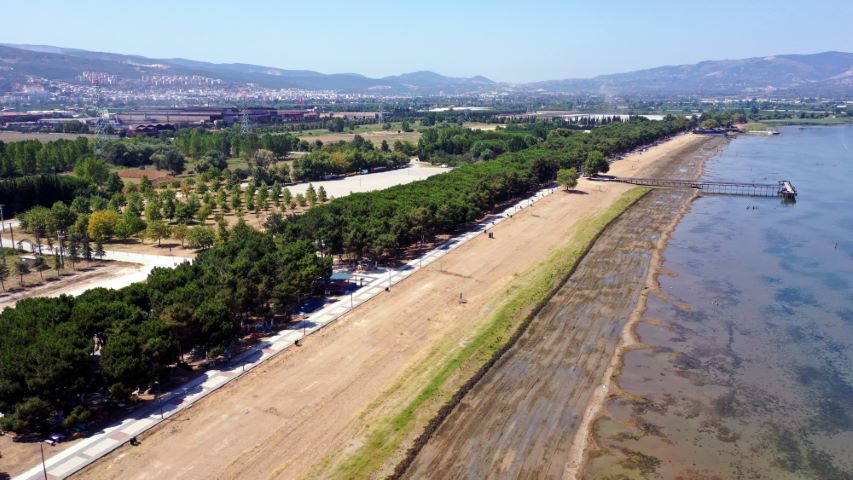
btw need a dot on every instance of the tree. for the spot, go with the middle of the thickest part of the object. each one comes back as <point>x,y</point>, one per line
<point>201,238</point>
<point>21,268</point>
<point>99,249</point>
<point>31,415</point>
<point>595,163</point>
<point>213,159</point>
<point>157,230</point>
<point>179,232</point>
<point>58,264</point>
<point>87,249</point>
<point>405,126</point>
<point>92,169</point>
<point>74,252</point>
<point>275,193</point>
<point>568,178</point>
<point>286,196</point>
<point>321,194</point>
<point>102,224</point>
<point>40,265</point>
<point>311,195</point>
<point>4,274</point>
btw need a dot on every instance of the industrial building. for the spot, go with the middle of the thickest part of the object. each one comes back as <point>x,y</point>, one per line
<point>195,115</point>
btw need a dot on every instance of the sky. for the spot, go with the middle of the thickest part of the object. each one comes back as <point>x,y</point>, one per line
<point>510,41</point>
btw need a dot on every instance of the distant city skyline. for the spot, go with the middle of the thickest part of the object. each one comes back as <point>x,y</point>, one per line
<point>504,41</point>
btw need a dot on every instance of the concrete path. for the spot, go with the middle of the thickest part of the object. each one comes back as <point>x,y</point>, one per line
<point>104,441</point>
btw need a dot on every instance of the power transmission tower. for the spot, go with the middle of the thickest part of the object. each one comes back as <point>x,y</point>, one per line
<point>245,124</point>
<point>102,120</point>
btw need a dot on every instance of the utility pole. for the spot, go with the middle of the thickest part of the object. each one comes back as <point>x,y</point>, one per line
<point>43,466</point>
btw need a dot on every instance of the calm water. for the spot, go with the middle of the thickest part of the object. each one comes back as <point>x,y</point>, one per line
<point>750,374</point>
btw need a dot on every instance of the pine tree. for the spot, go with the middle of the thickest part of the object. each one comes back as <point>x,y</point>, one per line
<point>87,249</point>
<point>99,250</point>
<point>58,264</point>
<point>73,252</point>
<point>4,273</point>
<point>21,268</point>
<point>40,265</point>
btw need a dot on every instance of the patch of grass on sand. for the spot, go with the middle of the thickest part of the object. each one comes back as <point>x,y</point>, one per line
<point>445,378</point>
<point>754,127</point>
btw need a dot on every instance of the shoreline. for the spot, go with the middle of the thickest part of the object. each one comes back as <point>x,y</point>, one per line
<point>585,440</point>
<point>484,421</point>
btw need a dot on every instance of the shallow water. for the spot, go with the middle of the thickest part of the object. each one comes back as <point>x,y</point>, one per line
<point>750,374</point>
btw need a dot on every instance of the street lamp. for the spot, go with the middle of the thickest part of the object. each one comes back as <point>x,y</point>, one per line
<point>159,397</point>
<point>43,466</point>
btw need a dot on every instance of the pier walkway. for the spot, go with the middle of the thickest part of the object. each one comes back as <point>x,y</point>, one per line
<point>783,188</point>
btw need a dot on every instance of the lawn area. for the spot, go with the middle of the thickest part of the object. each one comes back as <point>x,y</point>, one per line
<point>808,121</point>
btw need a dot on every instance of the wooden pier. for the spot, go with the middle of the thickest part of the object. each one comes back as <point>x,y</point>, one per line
<point>782,188</point>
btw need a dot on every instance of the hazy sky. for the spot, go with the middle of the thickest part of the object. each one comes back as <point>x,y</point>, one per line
<point>515,41</point>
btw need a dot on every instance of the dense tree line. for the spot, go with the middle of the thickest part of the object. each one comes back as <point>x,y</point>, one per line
<point>346,157</point>
<point>454,144</point>
<point>32,157</point>
<point>197,142</point>
<point>377,224</point>
<point>53,351</point>
<point>612,139</point>
<point>21,194</point>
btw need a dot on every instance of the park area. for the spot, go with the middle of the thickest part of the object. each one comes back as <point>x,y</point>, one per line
<point>383,355</point>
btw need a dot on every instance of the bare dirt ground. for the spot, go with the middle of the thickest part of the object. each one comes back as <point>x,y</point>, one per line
<point>43,137</point>
<point>481,126</point>
<point>284,419</point>
<point>70,282</point>
<point>376,137</point>
<point>521,420</point>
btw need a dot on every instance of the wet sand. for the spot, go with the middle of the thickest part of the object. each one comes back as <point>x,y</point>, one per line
<point>742,366</point>
<point>524,417</point>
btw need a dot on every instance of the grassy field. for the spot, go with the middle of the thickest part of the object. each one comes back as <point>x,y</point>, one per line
<point>464,362</point>
<point>808,121</point>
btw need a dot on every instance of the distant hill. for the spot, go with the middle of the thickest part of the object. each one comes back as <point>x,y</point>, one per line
<point>814,74</point>
<point>66,64</point>
<point>828,73</point>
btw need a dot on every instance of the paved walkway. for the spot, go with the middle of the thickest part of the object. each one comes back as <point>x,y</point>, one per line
<point>101,443</point>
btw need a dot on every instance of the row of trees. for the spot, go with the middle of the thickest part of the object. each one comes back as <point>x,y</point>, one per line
<point>55,351</point>
<point>32,157</point>
<point>195,143</point>
<point>346,157</point>
<point>377,224</point>
<point>20,194</point>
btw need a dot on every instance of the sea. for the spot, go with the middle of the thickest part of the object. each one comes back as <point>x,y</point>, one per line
<point>745,369</point>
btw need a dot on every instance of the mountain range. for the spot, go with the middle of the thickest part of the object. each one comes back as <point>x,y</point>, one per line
<point>827,73</point>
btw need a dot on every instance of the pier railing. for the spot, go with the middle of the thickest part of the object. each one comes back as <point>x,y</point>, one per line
<point>782,188</point>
